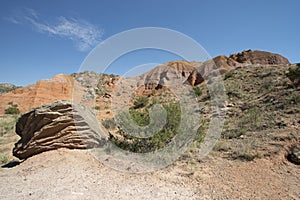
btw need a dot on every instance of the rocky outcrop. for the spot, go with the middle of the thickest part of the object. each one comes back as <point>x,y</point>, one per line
<point>59,87</point>
<point>58,125</point>
<point>160,75</point>
<point>84,87</point>
<point>196,72</point>
<point>223,64</point>
<point>250,57</point>
<point>7,87</point>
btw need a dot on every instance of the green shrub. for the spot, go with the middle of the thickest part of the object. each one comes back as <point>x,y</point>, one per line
<point>4,159</point>
<point>266,85</point>
<point>231,134</point>
<point>197,91</point>
<point>12,111</point>
<point>140,102</point>
<point>142,118</point>
<point>251,120</point>
<point>294,75</point>
<point>228,74</point>
<point>97,107</point>
<point>158,140</point>
<point>154,101</point>
<point>222,145</point>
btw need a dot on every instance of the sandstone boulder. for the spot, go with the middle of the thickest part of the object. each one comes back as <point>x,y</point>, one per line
<point>58,125</point>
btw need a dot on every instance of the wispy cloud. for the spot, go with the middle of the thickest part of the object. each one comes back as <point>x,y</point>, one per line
<point>84,34</point>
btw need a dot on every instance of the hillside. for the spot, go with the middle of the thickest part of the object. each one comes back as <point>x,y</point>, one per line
<point>6,87</point>
<point>256,156</point>
<point>44,91</point>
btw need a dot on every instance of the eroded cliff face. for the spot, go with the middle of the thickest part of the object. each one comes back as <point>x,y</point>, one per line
<point>86,87</point>
<point>259,57</point>
<point>59,87</point>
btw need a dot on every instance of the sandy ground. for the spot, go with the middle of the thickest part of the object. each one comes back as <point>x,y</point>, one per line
<point>76,174</point>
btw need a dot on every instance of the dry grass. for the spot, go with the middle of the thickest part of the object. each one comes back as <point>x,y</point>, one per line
<point>7,138</point>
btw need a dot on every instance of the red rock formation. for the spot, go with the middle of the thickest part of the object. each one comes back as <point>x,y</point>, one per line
<point>259,57</point>
<point>60,87</point>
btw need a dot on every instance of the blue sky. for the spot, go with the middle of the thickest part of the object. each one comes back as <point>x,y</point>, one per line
<point>42,38</point>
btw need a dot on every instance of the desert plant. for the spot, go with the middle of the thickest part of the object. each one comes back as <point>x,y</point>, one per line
<point>266,85</point>
<point>294,75</point>
<point>251,120</point>
<point>4,159</point>
<point>197,91</point>
<point>222,146</point>
<point>140,102</point>
<point>246,151</point>
<point>231,134</point>
<point>142,118</point>
<point>159,139</point>
<point>7,124</point>
<point>12,111</point>
<point>295,97</point>
<point>154,101</point>
<point>97,107</point>
<point>228,74</point>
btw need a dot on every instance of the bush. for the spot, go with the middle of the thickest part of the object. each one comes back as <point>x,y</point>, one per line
<point>158,140</point>
<point>142,118</point>
<point>4,159</point>
<point>294,75</point>
<point>197,91</point>
<point>140,102</point>
<point>97,107</point>
<point>229,74</point>
<point>235,133</point>
<point>12,111</point>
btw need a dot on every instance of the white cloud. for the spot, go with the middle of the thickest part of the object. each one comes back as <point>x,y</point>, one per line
<point>84,34</point>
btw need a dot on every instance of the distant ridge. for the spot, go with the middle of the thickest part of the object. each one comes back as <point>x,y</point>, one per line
<point>7,87</point>
<point>62,87</point>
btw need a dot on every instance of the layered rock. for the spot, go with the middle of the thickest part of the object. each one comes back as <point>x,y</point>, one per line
<point>85,87</point>
<point>250,57</point>
<point>59,87</point>
<point>223,64</point>
<point>58,125</point>
<point>196,72</point>
<point>157,77</point>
